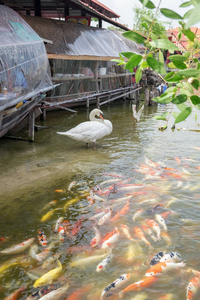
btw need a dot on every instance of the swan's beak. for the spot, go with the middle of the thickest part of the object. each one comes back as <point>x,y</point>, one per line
<point>101,116</point>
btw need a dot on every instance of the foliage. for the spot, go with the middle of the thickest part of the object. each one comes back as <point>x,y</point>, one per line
<point>143,18</point>
<point>185,79</point>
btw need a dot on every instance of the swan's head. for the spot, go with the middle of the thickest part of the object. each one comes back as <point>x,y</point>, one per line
<point>96,112</point>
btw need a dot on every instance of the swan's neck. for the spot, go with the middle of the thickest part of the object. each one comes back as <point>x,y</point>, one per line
<point>92,117</point>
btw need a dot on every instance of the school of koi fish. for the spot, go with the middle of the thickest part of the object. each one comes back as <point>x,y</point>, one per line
<point>117,229</point>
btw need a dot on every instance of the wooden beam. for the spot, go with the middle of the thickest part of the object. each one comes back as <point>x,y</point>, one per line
<point>80,57</point>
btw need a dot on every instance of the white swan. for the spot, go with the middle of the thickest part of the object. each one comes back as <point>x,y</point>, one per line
<point>137,115</point>
<point>92,130</point>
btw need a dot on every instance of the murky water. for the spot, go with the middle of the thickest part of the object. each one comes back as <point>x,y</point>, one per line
<point>30,174</point>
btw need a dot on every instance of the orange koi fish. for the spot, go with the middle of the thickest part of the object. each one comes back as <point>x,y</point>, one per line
<point>193,287</point>
<point>139,285</point>
<point>122,212</point>
<point>126,231</point>
<point>151,163</point>
<point>16,294</point>
<point>177,159</point>
<point>105,218</point>
<point>77,226</point>
<point>147,230</point>
<point>137,214</point>
<point>60,191</point>
<point>141,235</point>
<point>172,175</point>
<point>61,233</point>
<point>96,239</point>
<point>166,214</point>
<point>78,294</point>
<point>161,267</point>
<point>154,226</point>
<point>108,235</point>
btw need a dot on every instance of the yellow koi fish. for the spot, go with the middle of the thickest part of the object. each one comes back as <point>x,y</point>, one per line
<point>48,277</point>
<point>48,215</point>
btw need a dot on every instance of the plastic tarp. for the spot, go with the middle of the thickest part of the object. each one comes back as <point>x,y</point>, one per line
<point>24,66</point>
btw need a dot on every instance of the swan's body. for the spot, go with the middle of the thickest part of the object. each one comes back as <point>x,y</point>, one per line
<point>92,130</point>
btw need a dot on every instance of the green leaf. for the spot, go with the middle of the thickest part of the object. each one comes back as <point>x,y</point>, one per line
<point>156,65</point>
<point>188,14</point>
<point>120,62</point>
<point>138,75</point>
<point>164,98</point>
<point>194,16</point>
<point>185,91</point>
<point>183,115</point>
<point>134,36</point>
<point>195,99</point>
<point>169,75</point>
<point>189,72</point>
<point>174,78</point>
<point>190,35</point>
<point>180,65</point>
<point>161,57</point>
<point>186,4</point>
<point>147,18</point>
<point>144,24</point>
<point>195,84</point>
<point>128,54</point>
<point>171,65</point>
<point>147,4</point>
<point>177,57</point>
<point>164,44</point>
<point>188,87</point>
<point>170,13</point>
<point>175,114</point>
<point>171,89</point>
<point>186,54</point>
<point>162,117</point>
<point>181,106</point>
<point>133,61</point>
<point>144,64</point>
<point>179,99</point>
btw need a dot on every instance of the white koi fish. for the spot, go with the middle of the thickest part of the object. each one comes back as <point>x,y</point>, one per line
<point>115,285</point>
<point>161,221</point>
<point>58,224</point>
<point>73,183</point>
<point>171,256</point>
<point>18,248</point>
<point>111,240</point>
<point>105,218</point>
<point>84,261</point>
<point>56,294</point>
<point>105,263</point>
<point>137,214</point>
<point>96,239</point>
<point>126,231</point>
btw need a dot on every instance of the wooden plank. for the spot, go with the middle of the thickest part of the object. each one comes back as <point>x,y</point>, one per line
<point>80,57</point>
<point>119,96</point>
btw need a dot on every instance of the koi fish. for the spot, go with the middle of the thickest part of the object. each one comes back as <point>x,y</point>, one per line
<point>154,226</point>
<point>111,240</point>
<point>48,277</point>
<point>141,235</point>
<point>50,204</point>
<point>70,202</point>
<point>166,237</point>
<point>49,261</point>
<point>56,294</point>
<point>41,256</point>
<point>48,215</point>
<point>82,262</point>
<point>8,264</point>
<point>177,159</point>
<point>137,214</point>
<point>108,235</point>
<point>151,163</point>
<point>147,230</point>
<point>73,183</point>
<point>161,221</point>
<point>105,263</point>
<point>161,267</point>
<point>77,295</point>
<point>18,248</point>
<point>122,212</point>
<point>58,224</point>
<point>126,231</point>
<point>113,180</point>
<point>96,239</point>
<point>105,218</point>
<point>122,199</point>
<point>115,285</point>
<point>167,297</point>
<point>156,259</point>
<point>77,226</point>
<point>171,257</point>
<point>139,285</point>
<point>42,238</point>
<point>61,233</point>
<point>192,287</point>
<point>16,294</point>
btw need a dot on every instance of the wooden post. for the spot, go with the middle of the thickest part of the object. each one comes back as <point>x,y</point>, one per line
<point>147,95</point>
<point>88,103</point>
<point>97,84</point>
<point>43,115</point>
<point>137,94</point>
<point>31,125</point>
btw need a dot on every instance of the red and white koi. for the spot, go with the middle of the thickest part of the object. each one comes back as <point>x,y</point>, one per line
<point>56,294</point>
<point>18,248</point>
<point>40,256</point>
<point>111,240</point>
<point>96,239</point>
<point>42,238</point>
<point>192,287</point>
<point>122,212</point>
<point>58,224</point>
<point>139,285</point>
<point>115,285</point>
<point>71,185</point>
<point>61,233</point>
<point>105,263</point>
<point>151,163</point>
<point>105,218</point>
<point>137,214</point>
<point>154,226</point>
<point>161,221</point>
<point>139,233</point>
<point>77,226</point>
<point>126,231</point>
<point>161,267</point>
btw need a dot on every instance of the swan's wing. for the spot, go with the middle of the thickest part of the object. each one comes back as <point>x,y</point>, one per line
<point>137,115</point>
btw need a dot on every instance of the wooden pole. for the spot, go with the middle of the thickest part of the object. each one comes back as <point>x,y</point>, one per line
<point>97,84</point>
<point>31,125</point>
<point>147,96</point>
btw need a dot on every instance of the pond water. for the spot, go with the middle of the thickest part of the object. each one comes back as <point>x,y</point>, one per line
<point>156,171</point>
